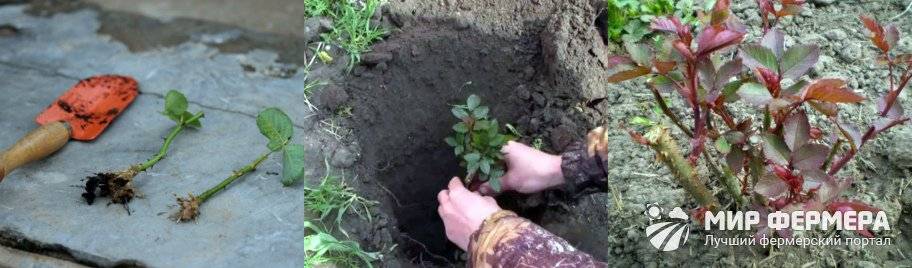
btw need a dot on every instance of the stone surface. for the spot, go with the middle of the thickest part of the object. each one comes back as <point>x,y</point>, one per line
<point>18,258</point>
<point>255,222</point>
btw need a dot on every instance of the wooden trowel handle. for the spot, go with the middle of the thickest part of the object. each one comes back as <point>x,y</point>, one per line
<point>36,145</point>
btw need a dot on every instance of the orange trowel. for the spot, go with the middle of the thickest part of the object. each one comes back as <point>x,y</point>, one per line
<point>81,113</point>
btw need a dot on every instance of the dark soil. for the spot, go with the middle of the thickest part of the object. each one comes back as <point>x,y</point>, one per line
<point>402,101</point>
<point>114,185</point>
<point>541,67</point>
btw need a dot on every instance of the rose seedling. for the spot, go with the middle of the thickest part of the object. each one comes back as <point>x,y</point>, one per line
<point>278,129</point>
<point>477,142</point>
<point>784,163</point>
<point>118,185</point>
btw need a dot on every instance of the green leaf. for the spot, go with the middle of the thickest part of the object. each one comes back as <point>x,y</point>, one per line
<point>461,127</point>
<point>494,182</point>
<point>292,164</point>
<point>450,141</point>
<point>723,146</point>
<point>459,112</point>
<point>641,121</point>
<point>797,60</point>
<point>755,94</point>
<point>193,123</point>
<point>639,53</point>
<point>175,105</point>
<point>459,149</point>
<point>276,126</point>
<point>473,102</point>
<point>486,166</point>
<point>775,150</point>
<point>757,55</point>
<point>729,90</point>
<point>481,112</point>
<point>472,157</point>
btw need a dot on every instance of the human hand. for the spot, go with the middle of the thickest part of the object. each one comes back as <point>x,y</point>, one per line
<point>528,170</point>
<point>463,212</point>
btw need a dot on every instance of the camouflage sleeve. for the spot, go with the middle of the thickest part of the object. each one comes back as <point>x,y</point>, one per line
<point>507,240</point>
<point>584,164</point>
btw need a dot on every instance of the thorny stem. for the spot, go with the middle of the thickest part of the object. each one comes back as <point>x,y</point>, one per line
<point>670,155</point>
<point>237,174</point>
<point>164,148</point>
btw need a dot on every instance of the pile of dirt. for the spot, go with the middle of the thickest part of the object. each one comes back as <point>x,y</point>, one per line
<point>542,67</point>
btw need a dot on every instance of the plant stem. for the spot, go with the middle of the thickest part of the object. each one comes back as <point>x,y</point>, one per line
<point>728,178</point>
<point>164,148</point>
<point>667,111</point>
<point>237,174</point>
<point>670,155</point>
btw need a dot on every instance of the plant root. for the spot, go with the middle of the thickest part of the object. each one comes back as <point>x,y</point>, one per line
<point>116,185</point>
<point>189,209</point>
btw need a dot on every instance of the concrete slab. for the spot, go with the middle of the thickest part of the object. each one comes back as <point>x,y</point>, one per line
<point>255,222</point>
<point>22,259</point>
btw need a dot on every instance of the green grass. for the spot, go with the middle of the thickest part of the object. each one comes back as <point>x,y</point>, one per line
<point>332,196</point>
<point>321,247</point>
<point>333,199</point>
<point>352,29</point>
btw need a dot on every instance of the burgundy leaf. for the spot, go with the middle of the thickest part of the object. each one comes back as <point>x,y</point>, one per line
<point>625,75</point>
<point>770,186</point>
<point>810,156</point>
<point>774,40</point>
<point>766,6</point>
<point>735,160</point>
<point>715,38</point>
<point>851,132</point>
<point>797,130</point>
<point>891,35</point>
<point>769,79</point>
<point>663,67</point>
<point>816,179</point>
<point>788,10</point>
<point>614,61</point>
<point>878,35</point>
<point>720,12</point>
<point>826,108</point>
<point>668,24</point>
<point>896,110</point>
<point>727,71</point>
<point>683,49</point>
<point>830,90</point>
<point>884,123</point>
<point>798,60</point>
<point>851,205</point>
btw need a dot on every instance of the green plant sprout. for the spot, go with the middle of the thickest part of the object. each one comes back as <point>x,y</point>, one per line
<point>118,185</point>
<point>278,128</point>
<point>477,143</point>
<point>321,247</point>
<point>628,20</point>
<point>352,29</point>
<point>333,195</point>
